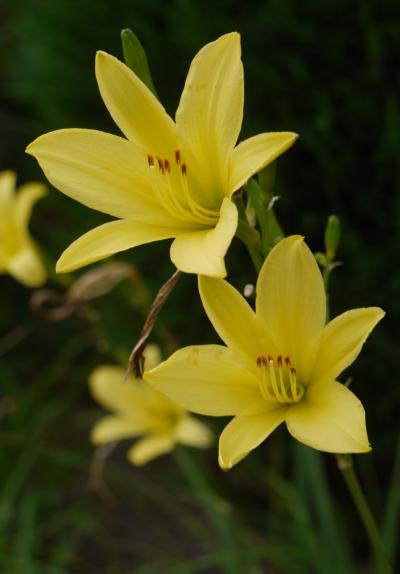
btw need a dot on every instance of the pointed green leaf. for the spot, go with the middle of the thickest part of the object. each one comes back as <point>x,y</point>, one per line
<point>135,57</point>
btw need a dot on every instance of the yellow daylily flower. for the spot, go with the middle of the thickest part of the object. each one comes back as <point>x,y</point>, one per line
<point>18,254</point>
<point>139,409</point>
<point>167,179</point>
<point>280,364</point>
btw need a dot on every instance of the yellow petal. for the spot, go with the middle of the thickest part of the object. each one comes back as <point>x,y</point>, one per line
<point>193,432</point>
<point>210,112</point>
<point>152,356</point>
<point>150,447</point>
<point>102,171</point>
<point>244,433</point>
<point>342,340</point>
<point>7,185</point>
<point>291,302</point>
<point>203,252</point>
<point>108,239</point>
<point>234,319</point>
<point>209,380</point>
<point>251,155</point>
<point>107,385</point>
<point>329,418</point>
<point>27,267</point>
<point>112,428</point>
<point>26,198</point>
<point>134,108</point>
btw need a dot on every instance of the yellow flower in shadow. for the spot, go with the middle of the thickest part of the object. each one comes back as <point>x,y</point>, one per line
<point>140,410</point>
<point>167,179</point>
<point>18,254</point>
<point>280,364</point>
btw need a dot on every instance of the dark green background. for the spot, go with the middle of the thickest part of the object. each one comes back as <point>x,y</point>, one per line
<point>326,70</point>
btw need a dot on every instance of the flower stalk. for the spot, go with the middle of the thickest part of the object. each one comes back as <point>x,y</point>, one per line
<point>345,465</point>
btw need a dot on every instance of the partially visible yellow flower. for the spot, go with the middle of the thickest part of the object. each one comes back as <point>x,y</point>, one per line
<point>18,254</point>
<point>280,364</point>
<point>167,179</point>
<point>139,409</point>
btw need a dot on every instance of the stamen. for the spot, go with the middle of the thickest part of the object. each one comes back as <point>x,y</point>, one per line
<point>168,186</point>
<point>293,386</point>
<point>160,164</point>
<point>281,381</point>
<point>278,379</point>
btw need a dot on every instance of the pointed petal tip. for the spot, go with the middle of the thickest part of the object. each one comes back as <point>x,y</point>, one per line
<point>30,148</point>
<point>225,466</point>
<point>101,54</point>
<point>232,36</point>
<point>102,58</point>
<point>292,239</point>
<point>290,136</point>
<point>61,267</point>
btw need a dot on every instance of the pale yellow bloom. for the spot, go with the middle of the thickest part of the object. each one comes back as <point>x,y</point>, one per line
<point>280,364</point>
<point>139,409</point>
<point>167,179</point>
<point>18,254</point>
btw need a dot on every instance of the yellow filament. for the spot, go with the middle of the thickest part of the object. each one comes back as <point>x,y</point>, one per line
<point>293,385</point>
<point>163,188</point>
<point>286,397</point>
<point>278,380</point>
<point>203,213</point>
<point>274,382</point>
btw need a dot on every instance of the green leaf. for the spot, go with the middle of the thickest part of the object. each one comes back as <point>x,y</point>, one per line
<point>135,57</point>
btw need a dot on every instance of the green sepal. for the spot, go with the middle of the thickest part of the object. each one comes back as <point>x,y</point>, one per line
<point>135,57</point>
<point>266,179</point>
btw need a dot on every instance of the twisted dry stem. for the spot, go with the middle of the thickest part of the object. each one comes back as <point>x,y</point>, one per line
<point>135,362</point>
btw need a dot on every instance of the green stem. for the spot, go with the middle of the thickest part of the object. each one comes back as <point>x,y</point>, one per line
<point>325,275</point>
<point>345,464</point>
<point>250,237</point>
<point>209,501</point>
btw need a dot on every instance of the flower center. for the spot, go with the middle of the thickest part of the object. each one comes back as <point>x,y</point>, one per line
<point>170,185</point>
<point>278,379</point>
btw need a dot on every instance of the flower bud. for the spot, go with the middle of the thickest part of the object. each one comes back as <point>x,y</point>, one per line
<point>332,236</point>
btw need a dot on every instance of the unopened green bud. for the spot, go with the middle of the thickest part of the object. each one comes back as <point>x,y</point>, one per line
<point>135,57</point>
<point>332,236</point>
<point>321,258</point>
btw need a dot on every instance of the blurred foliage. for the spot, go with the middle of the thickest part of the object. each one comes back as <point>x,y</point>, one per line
<point>327,70</point>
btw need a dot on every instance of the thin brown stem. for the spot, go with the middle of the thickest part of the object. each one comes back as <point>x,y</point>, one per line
<point>135,363</point>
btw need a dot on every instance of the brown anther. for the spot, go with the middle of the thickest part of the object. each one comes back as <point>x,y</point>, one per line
<point>184,169</point>
<point>280,360</point>
<point>178,157</point>
<point>150,159</point>
<point>287,361</point>
<point>167,165</point>
<point>160,164</point>
<point>261,361</point>
<point>293,371</point>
